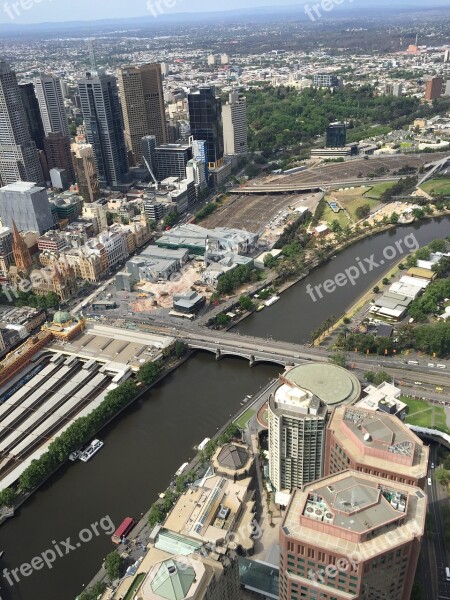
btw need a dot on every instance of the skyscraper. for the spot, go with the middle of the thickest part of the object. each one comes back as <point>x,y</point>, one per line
<point>33,114</point>
<point>351,535</point>
<point>336,135</point>
<point>102,116</point>
<point>86,174</point>
<point>297,416</point>
<point>235,124</point>
<point>51,103</point>
<point>26,205</point>
<point>205,118</point>
<point>374,442</point>
<point>434,88</point>
<point>171,160</point>
<point>19,158</point>
<point>142,99</point>
<point>58,153</point>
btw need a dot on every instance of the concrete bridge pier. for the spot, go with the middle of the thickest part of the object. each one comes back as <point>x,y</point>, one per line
<point>218,354</point>
<point>252,360</point>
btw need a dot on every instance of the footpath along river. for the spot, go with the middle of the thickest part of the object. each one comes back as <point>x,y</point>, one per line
<point>149,441</point>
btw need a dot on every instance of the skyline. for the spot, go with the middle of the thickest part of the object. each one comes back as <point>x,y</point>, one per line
<point>40,12</point>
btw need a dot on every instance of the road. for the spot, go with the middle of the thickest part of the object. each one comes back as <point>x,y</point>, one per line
<point>435,500</point>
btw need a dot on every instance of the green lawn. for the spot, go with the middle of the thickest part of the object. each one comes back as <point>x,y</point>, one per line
<point>377,189</point>
<point>352,205</point>
<point>245,418</point>
<point>438,186</point>
<point>329,216</point>
<point>423,414</point>
<point>137,581</point>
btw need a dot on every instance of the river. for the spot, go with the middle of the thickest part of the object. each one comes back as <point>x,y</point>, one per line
<point>296,315</point>
<point>148,442</point>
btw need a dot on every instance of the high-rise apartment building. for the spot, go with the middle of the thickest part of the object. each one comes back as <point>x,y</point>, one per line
<point>141,94</point>
<point>19,158</point>
<point>297,416</point>
<point>447,55</point>
<point>351,536</point>
<point>33,114</point>
<point>51,103</point>
<point>85,172</point>
<point>434,88</point>
<point>58,153</point>
<point>26,205</point>
<point>375,443</point>
<point>102,116</point>
<point>205,119</point>
<point>336,135</point>
<point>234,114</point>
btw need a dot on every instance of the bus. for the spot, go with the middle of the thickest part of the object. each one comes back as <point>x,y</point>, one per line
<point>447,573</point>
<point>123,530</point>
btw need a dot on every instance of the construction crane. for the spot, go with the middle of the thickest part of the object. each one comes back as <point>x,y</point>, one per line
<point>151,173</point>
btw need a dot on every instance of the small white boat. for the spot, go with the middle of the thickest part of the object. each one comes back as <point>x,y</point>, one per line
<point>92,449</point>
<point>272,300</point>
<point>181,469</point>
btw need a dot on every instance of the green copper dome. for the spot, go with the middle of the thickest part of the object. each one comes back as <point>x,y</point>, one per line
<point>61,317</point>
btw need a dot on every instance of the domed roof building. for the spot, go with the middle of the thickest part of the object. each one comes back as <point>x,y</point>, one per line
<point>64,326</point>
<point>233,461</point>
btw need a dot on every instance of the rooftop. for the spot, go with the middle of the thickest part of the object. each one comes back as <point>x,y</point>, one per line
<point>376,438</point>
<point>330,383</point>
<point>22,187</point>
<point>350,512</point>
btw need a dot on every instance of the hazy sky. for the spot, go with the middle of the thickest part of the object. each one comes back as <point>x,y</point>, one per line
<point>39,11</point>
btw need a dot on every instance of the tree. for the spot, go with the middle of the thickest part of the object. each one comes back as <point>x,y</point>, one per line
<point>376,289</point>
<point>385,281</point>
<point>109,218</point>
<point>381,377</point>
<point>149,372</point>
<point>180,349</point>
<point>113,564</point>
<point>362,211</point>
<point>339,359</point>
<point>222,319</point>
<point>7,497</point>
<point>246,303</point>
<point>170,219</point>
<point>270,261</point>
<point>442,476</point>
<point>369,376</point>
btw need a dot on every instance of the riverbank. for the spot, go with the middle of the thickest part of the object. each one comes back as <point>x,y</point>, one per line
<point>9,512</point>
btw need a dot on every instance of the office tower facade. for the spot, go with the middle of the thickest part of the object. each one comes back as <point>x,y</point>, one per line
<point>19,158</point>
<point>51,104</point>
<point>433,88</point>
<point>349,536</point>
<point>6,251</point>
<point>195,171</point>
<point>33,114</point>
<point>25,205</point>
<point>58,153</point>
<point>142,100</point>
<point>234,114</point>
<point>297,417</point>
<point>171,160</point>
<point>326,80</point>
<point>447,88</point>
<point>102,116</point>
<point>199,154</point>
<point>336,135</point>
<point>373,442</point>
<point>205,119</point>
<point>85,172</point>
